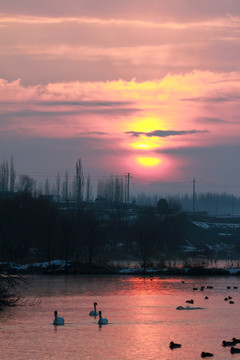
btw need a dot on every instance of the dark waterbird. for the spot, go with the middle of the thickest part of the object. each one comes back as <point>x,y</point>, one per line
<point>228,343</point>
<point>173,345</point>
<point>234,350</point>
<point>237,341</point>
<point>206,354</point>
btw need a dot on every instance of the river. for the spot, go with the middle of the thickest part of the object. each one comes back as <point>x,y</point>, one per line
<point>142,318</point>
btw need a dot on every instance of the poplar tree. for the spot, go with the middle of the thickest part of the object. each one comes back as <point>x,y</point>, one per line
<point>79,181</point>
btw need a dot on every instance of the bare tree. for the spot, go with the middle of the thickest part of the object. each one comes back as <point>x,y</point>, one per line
<point>4,176</point>
<point>26,184</point>
<point>12,176</point>
<point>65,187</point>
<point>79,181</point>
<point>46,187</point>
<point>111,189</point>
<point>88,188</point>
<point>58,184</point>
<point>10,286</point>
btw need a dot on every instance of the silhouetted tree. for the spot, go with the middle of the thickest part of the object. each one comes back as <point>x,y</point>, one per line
<point>88,189</point>
<point>146,233</point>
<point>79,181</point>
<point>4,175</point>
<point>10,289</point>
<point>12,176</point>
<point>26,184</point>
<point>65,187</point>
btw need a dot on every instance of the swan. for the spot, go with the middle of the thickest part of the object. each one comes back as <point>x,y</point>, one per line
<point>102,321</point>
<point>94,312</point>
<point>58,320</point>
<point>173,345</point>
<point>188,308</point>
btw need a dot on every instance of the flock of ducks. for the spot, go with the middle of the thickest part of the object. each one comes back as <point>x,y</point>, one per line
<point>232,343</point>
<point>58,320</point>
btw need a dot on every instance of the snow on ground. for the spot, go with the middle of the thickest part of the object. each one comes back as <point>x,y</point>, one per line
<point>61,264</point>
<point>206,225</point>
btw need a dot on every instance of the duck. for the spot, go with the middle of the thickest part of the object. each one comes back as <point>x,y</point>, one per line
<point>206,354</point>
<point>190,301</point>
<point>234,350</point>
<point>228,343</point>
<point>94,312</point>
<point>206,297</point>
<point>102,321</point>
<point>173,345</point>
<point>237,341</point>
<point>231,302</point>
<point>58,320</point>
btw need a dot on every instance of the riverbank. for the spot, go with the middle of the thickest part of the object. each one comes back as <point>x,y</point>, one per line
<point>63,267</point>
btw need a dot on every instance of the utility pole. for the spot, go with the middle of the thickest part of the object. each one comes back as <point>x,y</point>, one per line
<point>194,195</point>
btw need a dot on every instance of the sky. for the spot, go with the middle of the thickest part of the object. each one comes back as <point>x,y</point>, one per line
<point>146,87</point>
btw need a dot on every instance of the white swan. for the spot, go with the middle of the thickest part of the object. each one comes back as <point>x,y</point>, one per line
<point>102,321</point>
<point>94,312</point>
<point>188,308</point>
<point>58,320</point>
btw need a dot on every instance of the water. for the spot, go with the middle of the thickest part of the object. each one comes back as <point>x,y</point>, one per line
<point>142,319</point>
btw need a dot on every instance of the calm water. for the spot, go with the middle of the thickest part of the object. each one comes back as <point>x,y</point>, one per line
<point>142,319</point>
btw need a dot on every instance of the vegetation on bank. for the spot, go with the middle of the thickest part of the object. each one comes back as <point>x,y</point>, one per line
<point>92,238</point>
<point>39,230</point>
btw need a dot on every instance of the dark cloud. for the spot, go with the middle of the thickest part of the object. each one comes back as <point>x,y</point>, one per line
<point>220,99</point>
<point>210,120</point>
<point>46,114</point>
<point>92,133</point>
<point>87,103</point>
<point>165,133</point>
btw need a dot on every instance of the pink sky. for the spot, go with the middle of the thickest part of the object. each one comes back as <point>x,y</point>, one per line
<point>146,87</point>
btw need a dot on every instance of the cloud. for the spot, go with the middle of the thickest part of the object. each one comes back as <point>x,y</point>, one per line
<point>165,133</point>
<point>92,133</point>
<point>211,120</point>
<point>87,103</point>
<point>217,99</point>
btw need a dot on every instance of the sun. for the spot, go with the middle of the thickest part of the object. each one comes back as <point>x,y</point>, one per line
<point>146,125</point>
<point>148,161</point>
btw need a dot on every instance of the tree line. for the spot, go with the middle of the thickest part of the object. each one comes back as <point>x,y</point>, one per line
<point>35,229</point>
<point>112,189</point>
